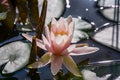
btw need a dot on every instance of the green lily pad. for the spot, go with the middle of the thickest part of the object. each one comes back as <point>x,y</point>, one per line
<point>109,9</point>
<point>110,14</point>
<point>110,39</point>
<point>106,3</point>
<point>55,8</point>
<point>15,55</point>
<point>57,5</point>
<point>80,25</point>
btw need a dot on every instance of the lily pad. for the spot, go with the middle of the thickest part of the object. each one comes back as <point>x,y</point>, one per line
<point>109,9</point>
<point>80,25</point>
<point>101,70</point>
<point>15,55</point>
<point>111,36</point>
<point>106,3</point>
<point>55,8</point>
<point>90,75</point>
<point>110,14</point>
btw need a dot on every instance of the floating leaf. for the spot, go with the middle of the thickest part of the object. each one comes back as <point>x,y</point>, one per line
<point>55,8</point>
<point>111,14</point>
<point>111,37</point>
<point>106,3</point>
<point>90,75</point>
<point>15,55</point>
<point>80,32</point>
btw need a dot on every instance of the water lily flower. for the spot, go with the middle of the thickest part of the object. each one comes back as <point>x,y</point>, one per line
<point>57,43</point>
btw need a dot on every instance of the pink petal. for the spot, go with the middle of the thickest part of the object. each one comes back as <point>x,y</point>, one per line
<point>39,42</point>
<point>44,60</point>
<point>52,36</point>
<point>54,46</point>
<point>71,28</point>
<point>83,50</point>
<point>71,65</point>
<point>56,63</point>
<point>45,40</point>
<point>57,48</point>
<point>47,33</point>
<point>47,44</point>
<point>63,25</point>
<point>28,37</point>
<point>53,21</point>
<point>70,35</point>
<point>69,19</point>
<point>54,25</point>
<point>54,28</point>
<point>61,20</point>
<point>71,47</point>
<point>67,42</point>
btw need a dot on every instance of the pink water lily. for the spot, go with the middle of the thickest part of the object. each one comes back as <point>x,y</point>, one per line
<point>57,43</point>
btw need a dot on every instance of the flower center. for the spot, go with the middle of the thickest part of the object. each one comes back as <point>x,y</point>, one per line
<point>60,33</point>
<point>60,38</point>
